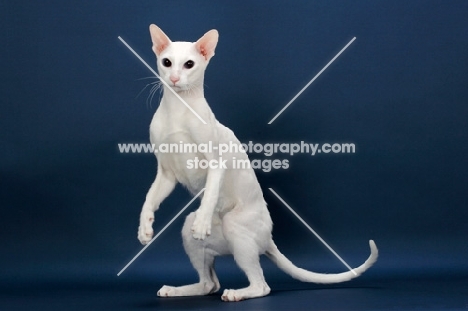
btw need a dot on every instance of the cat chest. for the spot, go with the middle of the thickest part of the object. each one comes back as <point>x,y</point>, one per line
<point>178,153</point>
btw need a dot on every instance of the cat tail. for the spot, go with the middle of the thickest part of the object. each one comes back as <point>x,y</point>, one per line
<point>307,276</point>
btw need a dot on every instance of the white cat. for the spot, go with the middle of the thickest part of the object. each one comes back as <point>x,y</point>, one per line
<point>233,217</point>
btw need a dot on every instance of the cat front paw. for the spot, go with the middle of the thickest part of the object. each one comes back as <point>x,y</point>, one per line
<point>201,228</point>
<point>145,230</point>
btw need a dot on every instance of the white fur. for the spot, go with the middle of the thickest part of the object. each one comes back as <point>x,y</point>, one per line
<point>233,217</point>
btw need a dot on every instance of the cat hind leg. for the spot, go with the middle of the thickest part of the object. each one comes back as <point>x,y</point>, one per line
<point>202,260</point>
<point>246,252</point>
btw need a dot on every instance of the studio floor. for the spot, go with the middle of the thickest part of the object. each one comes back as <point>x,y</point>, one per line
<point>450,293</point>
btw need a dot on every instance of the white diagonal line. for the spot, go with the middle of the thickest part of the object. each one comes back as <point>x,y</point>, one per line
<point>313,231</point>
<point>310,82</point>
<point>160,232</point>
<point>155,73</point>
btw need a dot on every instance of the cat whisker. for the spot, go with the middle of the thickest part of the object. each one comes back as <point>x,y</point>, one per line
<point>155,85</point>
<point>146,78</point>
<point>150,94</point>
<point>154,89</point>
<point>155,82</point>
<point>192,88</point>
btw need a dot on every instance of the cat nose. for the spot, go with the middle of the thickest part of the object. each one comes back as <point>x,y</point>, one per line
<point>174,79</point>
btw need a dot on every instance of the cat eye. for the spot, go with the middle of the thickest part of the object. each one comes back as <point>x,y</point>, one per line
<point>189,64</point>
<point>166,62</point>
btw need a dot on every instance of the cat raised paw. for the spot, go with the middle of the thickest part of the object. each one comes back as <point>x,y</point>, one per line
<point>201,227</point>
<point>145,230</point>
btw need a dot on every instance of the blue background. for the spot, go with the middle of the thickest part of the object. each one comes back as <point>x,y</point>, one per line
<point>70,201</point>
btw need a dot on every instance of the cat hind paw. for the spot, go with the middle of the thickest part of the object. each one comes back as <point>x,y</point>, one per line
<point>167,291</point>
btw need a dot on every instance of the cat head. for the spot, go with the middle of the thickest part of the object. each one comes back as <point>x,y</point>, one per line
<point>182,64</point>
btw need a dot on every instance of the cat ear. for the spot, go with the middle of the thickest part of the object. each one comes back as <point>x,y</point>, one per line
<point>206,45</point>
<point>159,38</point>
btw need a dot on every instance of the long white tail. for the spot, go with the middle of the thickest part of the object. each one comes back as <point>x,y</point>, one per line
<point>307,276</point>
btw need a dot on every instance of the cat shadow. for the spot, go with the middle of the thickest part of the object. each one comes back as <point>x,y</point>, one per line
<point>275,299</point>
<point>180,303</point>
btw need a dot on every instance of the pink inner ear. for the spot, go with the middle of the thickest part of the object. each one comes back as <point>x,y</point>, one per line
<point>159,38</point>
<point>161,48</point>
<point>207,44</point>
<point>204,53</point>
